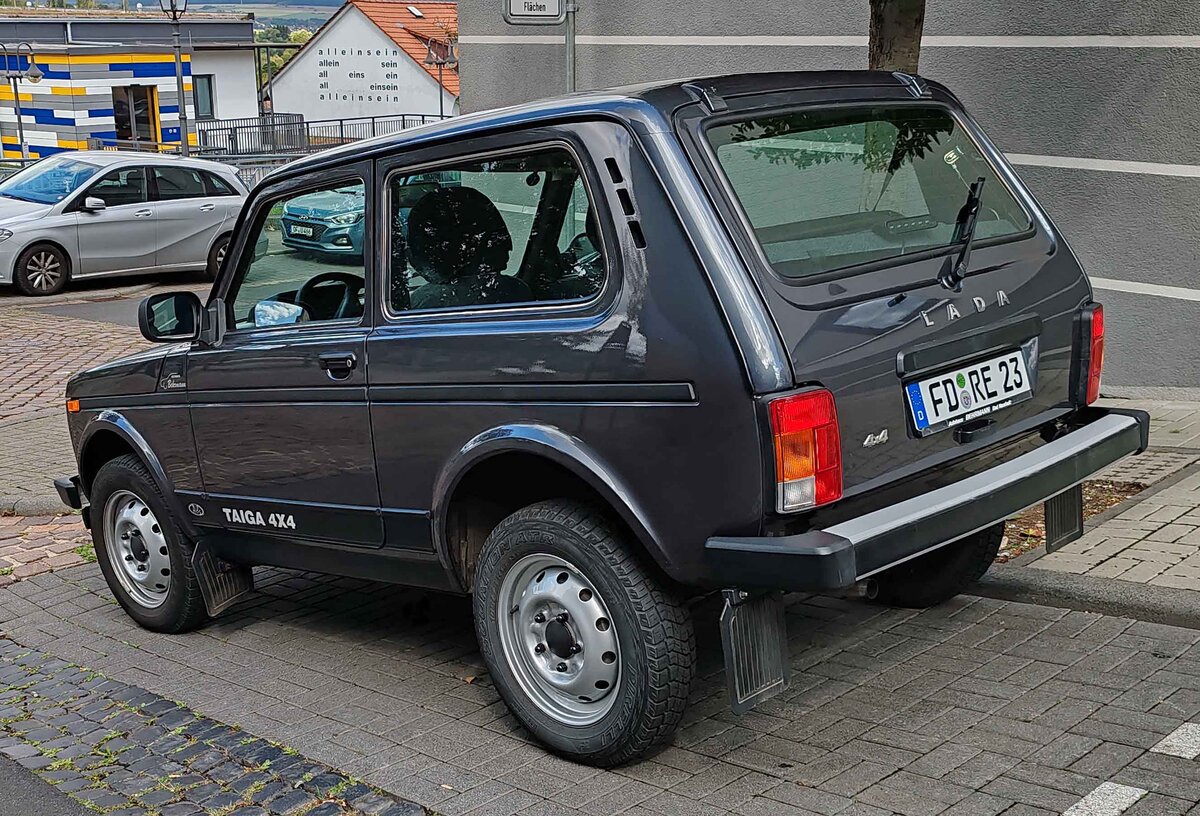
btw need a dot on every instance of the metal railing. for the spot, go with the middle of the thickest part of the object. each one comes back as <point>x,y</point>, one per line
<point>289,133</point>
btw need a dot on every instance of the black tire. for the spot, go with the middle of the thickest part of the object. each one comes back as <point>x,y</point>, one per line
<point>42,269</point>
<point>940,575</point>
<point>183,608</point>
<point>653,630</point>
<point>216,256</point>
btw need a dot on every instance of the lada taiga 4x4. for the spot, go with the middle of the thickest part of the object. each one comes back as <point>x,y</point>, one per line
<point>588,359</point>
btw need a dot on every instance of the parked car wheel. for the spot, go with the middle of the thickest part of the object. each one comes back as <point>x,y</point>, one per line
<point>216,257</point>
<point>938,576</point>
<point>42,269</point>
<point>145,558</point>
<point>588,649</point>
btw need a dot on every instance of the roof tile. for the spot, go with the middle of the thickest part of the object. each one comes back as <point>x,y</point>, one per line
<point>438,22</point>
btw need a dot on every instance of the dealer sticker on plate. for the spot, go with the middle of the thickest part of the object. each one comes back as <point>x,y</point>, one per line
<point>968,393</point>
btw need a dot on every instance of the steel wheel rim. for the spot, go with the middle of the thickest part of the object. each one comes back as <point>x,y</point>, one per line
<point>569,667</point>
<point>136,549</point>
<point>44,270</point>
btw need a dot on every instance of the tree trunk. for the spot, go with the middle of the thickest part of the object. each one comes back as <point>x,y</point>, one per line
<point>896,27</point>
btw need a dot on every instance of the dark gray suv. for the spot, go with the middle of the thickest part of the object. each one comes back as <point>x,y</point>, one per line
<point>602,355</point>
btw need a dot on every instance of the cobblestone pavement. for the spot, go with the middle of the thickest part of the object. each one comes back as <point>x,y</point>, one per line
<point>31,545</point>
<point>1156,541</point>
<point>979,707</point>
<point>123,750</point>
<point>41,351</point>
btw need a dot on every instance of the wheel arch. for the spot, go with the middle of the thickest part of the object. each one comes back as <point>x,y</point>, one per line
<point>467,504</point>
<point>43,240</point>
<point>109,435</point>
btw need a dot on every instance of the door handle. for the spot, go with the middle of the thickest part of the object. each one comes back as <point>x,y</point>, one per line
<point>338,364</point>
<point>143,213</point>
<point>207,207</point>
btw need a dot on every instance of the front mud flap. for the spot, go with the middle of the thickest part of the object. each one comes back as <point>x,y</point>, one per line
<point>221,583</point>
<point>755,641</point>
<point>1064,518</point>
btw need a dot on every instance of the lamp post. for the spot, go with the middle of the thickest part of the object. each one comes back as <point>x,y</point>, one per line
<point>443,55</point>
<point>175,9</point>
<point>13,73</point>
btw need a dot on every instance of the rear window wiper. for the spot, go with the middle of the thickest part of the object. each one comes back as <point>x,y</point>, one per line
<point>954,271</point>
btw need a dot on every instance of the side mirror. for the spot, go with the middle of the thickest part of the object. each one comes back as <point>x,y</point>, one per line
<point>170,317</point>
<point>93,204</point>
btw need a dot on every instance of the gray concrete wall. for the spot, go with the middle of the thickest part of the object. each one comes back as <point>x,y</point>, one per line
<point>1131,99</point>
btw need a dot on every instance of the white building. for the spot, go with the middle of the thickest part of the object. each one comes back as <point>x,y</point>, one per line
<point>369,60</point>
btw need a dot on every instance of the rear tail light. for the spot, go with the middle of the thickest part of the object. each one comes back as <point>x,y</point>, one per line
<point>808,451</point>
<point>1091,353</point>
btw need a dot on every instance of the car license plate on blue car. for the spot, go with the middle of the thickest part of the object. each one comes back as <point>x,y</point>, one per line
<point>968,393</point>
<point>305,232</point>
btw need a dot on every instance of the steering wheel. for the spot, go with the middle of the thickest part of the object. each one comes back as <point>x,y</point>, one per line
<point>352,284</point>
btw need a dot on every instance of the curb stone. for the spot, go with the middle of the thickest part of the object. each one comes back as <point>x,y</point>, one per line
<point>111,745</point>
<point>46,505</point>
<point>1087,593</point>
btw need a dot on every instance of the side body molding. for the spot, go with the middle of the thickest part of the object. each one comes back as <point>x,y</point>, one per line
<point>112,421</point>
<point>554,445</point>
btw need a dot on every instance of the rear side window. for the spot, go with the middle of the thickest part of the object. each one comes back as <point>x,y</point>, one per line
<point>216,186</point>
<point>513,230</point>
<point>178,182</point>
<point>828,189</point>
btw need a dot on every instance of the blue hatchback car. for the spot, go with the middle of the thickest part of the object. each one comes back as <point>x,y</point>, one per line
<point>329,222</point>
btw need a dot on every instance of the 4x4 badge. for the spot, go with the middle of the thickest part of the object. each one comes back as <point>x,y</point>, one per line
<point>875,439</point>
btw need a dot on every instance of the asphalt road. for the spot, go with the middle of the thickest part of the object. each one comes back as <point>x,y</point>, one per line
<point>23,794</point>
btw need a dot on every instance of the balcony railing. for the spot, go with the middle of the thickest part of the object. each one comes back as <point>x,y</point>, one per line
<point>289,133</point>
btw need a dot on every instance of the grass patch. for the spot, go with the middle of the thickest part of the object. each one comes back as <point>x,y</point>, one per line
<point>87,552</point>
<point>5,571</point>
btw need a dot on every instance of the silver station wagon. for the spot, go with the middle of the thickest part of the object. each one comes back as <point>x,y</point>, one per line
<point>87,214</point>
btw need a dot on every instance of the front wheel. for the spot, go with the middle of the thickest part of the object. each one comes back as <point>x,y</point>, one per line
<point>588,649</point>
<point>41,270</point>
<point>938,576</point>
<point>144,556</point>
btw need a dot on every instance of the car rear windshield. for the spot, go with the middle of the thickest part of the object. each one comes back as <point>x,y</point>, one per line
<point>829,189</point>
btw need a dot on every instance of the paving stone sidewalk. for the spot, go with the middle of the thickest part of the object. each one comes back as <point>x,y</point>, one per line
<point>979,707</point>
<point>123,750</point>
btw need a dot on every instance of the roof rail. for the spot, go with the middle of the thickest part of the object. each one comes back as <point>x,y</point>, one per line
<point>708,96</point>
<point>915,85</point>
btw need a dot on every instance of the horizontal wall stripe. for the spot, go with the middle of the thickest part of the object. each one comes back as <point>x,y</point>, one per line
<point>1106,165</point>
<point>848,41</point>
<point>1152,289</point>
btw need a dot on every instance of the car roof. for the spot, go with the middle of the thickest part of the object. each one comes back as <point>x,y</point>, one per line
<point>110,158</point>
<point>647,105</point>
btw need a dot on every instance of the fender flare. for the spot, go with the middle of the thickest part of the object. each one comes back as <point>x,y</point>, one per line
<point>111,421</point>
<point>552,444</point>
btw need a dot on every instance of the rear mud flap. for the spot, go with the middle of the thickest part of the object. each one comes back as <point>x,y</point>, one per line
<point>1064,518</point>
<point>221,583</point>
<point>755,641</point>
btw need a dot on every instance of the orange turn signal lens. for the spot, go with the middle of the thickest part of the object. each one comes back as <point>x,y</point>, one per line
<point>73,406</point>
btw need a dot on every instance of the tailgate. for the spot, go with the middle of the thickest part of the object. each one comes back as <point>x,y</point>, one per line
<point>857,216</point>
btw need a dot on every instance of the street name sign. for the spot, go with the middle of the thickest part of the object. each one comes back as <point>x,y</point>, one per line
<point>535,12</point>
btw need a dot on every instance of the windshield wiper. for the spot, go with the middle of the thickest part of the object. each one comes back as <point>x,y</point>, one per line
<point>954,271</point>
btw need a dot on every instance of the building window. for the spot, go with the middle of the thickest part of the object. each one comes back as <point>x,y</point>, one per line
<point>202,96</point>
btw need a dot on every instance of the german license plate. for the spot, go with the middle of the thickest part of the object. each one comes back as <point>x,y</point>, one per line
<point>305,231</point>
<point>968,393</point>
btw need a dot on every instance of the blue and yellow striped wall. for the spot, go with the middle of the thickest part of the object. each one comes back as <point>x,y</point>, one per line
<point>74,100</point>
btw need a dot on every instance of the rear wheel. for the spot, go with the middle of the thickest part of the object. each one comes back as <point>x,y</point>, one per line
<point>938,576</point>
<point>590,652</point>
<point>41,269</point>
<point>144,556</point>
<point>216,257</point>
